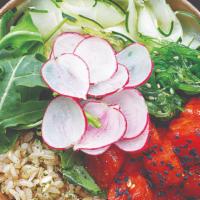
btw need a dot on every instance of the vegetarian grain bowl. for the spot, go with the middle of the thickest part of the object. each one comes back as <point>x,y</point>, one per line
<point>99,99</point>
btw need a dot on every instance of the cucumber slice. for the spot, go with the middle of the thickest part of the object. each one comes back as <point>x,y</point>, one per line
<point>122,3</point>
<point>121,32</point>
<point>191,29</point>
<point>177,31</point>
<point>147,24</point>
<point>162,13</point>
<point>87,22</point>
<point>76,23</point>
<point>131,18</point>
<point>105,12</point>
<point>45,22</point>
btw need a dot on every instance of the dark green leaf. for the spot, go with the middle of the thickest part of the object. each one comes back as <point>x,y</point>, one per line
<point>22,35</point>
<point>78,175</point>
<point>7,141</point>
<point>23,114</point>
<point>68,159</point>
<point>20,75</point>
<point>5,23</point>
<point>73,171</point>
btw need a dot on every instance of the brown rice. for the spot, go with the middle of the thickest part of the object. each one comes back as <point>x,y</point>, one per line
<point>30,171</point>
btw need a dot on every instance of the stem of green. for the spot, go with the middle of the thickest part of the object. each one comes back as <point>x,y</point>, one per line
<point>93,121</point>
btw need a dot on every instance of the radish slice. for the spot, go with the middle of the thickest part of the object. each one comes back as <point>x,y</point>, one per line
<point>118,81</point>
<point>95,152</point>
<point>100,58</point>
<point>64,123</point>
<point>138,61</point>
<point>132,105</point>
<point>135,144</point>
<point>67,75</point>
<point>66,43</point>
<point>113,127</point>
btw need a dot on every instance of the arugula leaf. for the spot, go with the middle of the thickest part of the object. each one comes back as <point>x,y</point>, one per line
<point>78,175</point>
<point>7,141</point>
<point>22,35</point>
<point>73,171</point>
<point>18,73</point>
<point>4,24</point>
<point>23,114</point>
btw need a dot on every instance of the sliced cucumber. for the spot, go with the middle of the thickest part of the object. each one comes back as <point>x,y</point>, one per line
<point>87,22</point>
<point>191,29</point>
<point>32,9</point>
<point>163,15</point>
<point>105,12</point>
<point>121,32</point>
<point>147,24</point>
<point>45,22</point>
<point>131,19</point>
<point>177,31</point>
<point>122,3</point>
<point>75,23</point>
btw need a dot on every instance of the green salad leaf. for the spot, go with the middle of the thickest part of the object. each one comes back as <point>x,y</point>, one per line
<point>74,171</point>
<point>22,36</point>
<point>19,75</point>
<point>5,23</point>
<point>7,141</point>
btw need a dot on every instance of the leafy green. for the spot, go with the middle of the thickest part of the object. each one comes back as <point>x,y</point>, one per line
<point>18,73</point>
<point>5,23</point>
<point>22,36</point>
<point>73,171</point>
<point>176,75</point>
<point>8,141</point>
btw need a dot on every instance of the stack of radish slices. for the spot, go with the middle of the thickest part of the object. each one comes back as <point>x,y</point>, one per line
<point>97,103</point>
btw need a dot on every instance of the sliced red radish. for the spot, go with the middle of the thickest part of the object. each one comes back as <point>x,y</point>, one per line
<point>66,43</point>
<point>133,106</point>
<point>64,123</point>
<point>100,58</point>
<point>136,144</point>
<point>118,81</point>
<point>95,152</point>
<point>67,75</point>
<point>137,59</point>
<point>113,127</point>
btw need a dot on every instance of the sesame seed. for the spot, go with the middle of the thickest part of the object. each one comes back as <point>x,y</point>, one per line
<point>193,152</point>
<point>176,58</point>
<point>148,85</point>
<point>177,150</point>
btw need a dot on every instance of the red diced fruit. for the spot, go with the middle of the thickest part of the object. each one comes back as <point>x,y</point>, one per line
<point>130,187</point>
<point>185,136</point>
<point>168,194</point>
<point>163,166</point>
<point>103,168</point>
<point>192,108</point>
<point>192,183</point>
<point>133,165</point>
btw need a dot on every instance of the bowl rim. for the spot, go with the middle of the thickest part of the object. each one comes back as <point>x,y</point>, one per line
<point>176,4</point>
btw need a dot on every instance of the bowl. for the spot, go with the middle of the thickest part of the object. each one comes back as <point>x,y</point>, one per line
<point>175,4</point>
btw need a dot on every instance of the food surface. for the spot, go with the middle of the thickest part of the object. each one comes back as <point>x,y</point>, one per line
<point>99,100</point>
